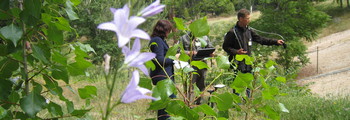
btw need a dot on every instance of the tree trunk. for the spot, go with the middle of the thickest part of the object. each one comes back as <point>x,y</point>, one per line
<point>341,3</point>
<point>347,2</point>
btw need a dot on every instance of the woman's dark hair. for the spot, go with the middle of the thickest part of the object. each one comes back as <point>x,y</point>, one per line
<point>162,28</point>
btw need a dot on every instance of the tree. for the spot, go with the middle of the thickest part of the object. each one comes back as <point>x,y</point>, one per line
<point>296,21</point>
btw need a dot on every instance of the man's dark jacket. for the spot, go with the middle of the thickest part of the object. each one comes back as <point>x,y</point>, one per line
<point>246,36</point>
<point>160,49</point>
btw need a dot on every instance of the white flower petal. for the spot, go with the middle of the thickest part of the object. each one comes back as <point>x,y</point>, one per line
<point>142,58</point>
<point>122,40</point>
<point>140,34</point>
<point>137,46</point>
<point>107,26</point>
<point>143,69</point>
<point>143,90</point>
<point>134,21</point>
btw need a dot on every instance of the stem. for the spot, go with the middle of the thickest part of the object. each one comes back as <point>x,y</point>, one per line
<point>37,73</point>
<point>208,86</point>
<point>25,66</point>
<point>111,90</point>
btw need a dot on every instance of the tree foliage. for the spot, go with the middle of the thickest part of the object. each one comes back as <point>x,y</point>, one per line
<point>35,56</point>
<point>295,21</point>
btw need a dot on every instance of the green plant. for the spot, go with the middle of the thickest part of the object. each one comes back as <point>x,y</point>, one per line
<point>35,57</point>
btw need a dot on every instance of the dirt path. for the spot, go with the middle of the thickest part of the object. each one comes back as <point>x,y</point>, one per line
<point>330,73</point>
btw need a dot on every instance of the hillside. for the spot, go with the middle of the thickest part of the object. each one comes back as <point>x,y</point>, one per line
<point>329,70</point>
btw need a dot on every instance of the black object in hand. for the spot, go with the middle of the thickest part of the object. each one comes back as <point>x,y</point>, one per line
<point>284,45</point>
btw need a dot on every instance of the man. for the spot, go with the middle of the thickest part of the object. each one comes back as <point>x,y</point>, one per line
<point>239,40</point>
<point>189,40</point>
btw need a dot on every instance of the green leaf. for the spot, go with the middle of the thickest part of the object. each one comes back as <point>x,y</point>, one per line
<point>199,64</point>
<point>79,67</point>
<point>240,57</point>
<point>222,62</point>
<point>60,72</point>
<point>188,69</point>
<point>59,58</point>
<point>200,27</point>
<point>172,51</point>
<point>32,12</point>
<point>150,64</point>
<point>12,33</point>
<point>80,51</point>
<point>34,6</point>
<point>46,18</point>
<point>224,101</point>
<point>85,47</point>
<point>16,12</point>
<point>37,88</point>
<point>283,108</point>
<point>55,109</point>
<point>53,86</point>
<point>270,112</point>
<point>70,106</point>
<point>203,41</point>
<point>75,2</point>
<point>242,81</point>
<point>69,10</point>
<point>55,35</point>
<point>63,24</point>
<point>179,108</point>
<point>3,50</point>
<point>206,109</point>
<point>7,66</point>
<point>4,5</point>
<point>159,104</point>
<point>184,57</point>
<point>270,63</point>
<point>32,103</point>
<point>179,23</point>
<point>14,97</point>
<point>224,114</point>
<point>3,112</point>
<point>5,88</point>
<point>222,118</point>
<point>79,113</point>
<point>39,54</point>
<point>281,79</point>
<point>164,89</point>
<point>87,92</point>
<point>146,83</point>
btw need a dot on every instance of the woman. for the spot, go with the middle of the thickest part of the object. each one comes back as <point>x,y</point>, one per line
<point>160,32</point>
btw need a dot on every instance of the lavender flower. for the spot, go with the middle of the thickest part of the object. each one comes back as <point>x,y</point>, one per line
<point>134,58</point>
<point>125,27</point>
<point>134,92</point>
<point>152,9</point>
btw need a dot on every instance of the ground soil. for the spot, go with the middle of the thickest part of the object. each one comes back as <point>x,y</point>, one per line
<point>328,73</point>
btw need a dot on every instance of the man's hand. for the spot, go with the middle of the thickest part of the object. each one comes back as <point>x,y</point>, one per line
<point>241,51</point>
<point>280,42</point>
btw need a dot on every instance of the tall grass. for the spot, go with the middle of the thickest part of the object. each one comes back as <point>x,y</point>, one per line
<point>134,111</point>
<point>315,108</point>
